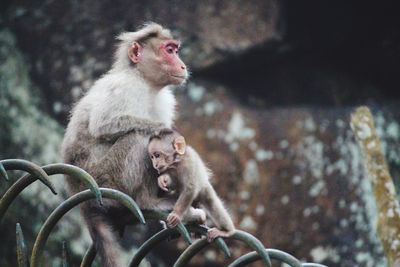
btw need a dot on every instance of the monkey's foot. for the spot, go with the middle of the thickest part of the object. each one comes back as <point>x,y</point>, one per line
<point>199,216</point>
<point>173,219</point>
<point>213,233</point>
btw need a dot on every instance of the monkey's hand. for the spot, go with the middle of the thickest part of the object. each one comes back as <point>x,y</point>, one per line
<point>118,126</point>
<point>213,233</point>
<point>173,219</point>
<point>164,182</point>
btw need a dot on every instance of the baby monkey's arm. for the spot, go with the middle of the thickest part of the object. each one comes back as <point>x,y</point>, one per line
<point>182,205</point>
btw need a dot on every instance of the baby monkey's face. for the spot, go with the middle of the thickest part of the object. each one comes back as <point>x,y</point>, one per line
<point>162,154</point>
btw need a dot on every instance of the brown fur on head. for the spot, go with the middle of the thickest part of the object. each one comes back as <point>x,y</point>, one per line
<point>163,133</point>
<point>153,51</point>
<point>166,148</point>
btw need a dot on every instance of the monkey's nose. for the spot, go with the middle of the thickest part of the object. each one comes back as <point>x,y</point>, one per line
<point>183,67</point>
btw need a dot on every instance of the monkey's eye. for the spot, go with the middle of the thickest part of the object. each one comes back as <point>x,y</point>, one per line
<point>170,49</point>
<point>156,155</point>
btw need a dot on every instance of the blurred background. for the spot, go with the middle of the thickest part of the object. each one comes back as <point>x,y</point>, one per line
<point>267,107</point>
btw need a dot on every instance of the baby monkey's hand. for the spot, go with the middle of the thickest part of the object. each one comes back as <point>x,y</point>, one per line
<point>164,181</point>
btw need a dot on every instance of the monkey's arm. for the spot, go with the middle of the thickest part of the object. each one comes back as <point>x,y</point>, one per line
<point>118,126</point>
<point>184,201</point>
<point>182,205</point>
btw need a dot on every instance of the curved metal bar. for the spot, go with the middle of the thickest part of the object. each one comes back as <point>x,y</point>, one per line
<point>70,203</point>
<point>89,256</point>
<point>50,169</point>
<point>273,253</point>
<point>309,264</point>
<point>75,172</point>
<point>3,172</point>
<point>247,238</point>
<point>22,251</point>
<point>189,253</point>
<point>162,215</point>
<point>219,241</point>
<point>150,244</point>
<point>254,243</point>
<point>33,169</point>
<point>65,256</point>
<point>164,234</point>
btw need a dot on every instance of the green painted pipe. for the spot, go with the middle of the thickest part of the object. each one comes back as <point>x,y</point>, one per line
<point>254,243</point>
<point>219,241</point>
<point>65,256</point>
<point>22,251</point>
<point>89,256</point>
<point>150,244</point>
<point>247,238</point>
<point>35,170</point>
<point>69,204</point>
<point>162,215</point>
<point>273,253</point>
<point>164,234</point>
<point>51,169</point>
<point>310,264</point>
<point>3,172</point>
<point>190,252</point>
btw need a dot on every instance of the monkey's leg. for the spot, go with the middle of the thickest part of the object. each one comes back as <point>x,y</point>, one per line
<point>104,239</point>
<point>194,215</point>
<point>218,214</point>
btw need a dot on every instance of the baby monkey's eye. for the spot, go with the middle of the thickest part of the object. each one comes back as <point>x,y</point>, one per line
<point>156,155</point>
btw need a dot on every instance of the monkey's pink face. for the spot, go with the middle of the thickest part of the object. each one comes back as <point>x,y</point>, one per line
<point>158,62</point>
<point>174,66</point>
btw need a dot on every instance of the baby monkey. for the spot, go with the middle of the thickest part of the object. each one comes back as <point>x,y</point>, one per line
<point>182,170</point>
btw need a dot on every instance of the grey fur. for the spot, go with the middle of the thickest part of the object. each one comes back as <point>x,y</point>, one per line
<point>108,135</point>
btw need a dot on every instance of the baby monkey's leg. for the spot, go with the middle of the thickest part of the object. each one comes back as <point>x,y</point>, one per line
<point>194,215</point>
<point>213,233</point>
<point>218,214</point>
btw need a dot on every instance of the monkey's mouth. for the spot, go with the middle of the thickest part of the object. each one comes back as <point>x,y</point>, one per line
<point>180,77</point>
<point>162,169</point>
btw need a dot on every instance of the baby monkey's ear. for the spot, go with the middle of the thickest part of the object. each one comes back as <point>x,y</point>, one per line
<point>180,145</point>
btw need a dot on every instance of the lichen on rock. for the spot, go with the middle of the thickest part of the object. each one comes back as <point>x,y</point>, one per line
<point>388,226</point>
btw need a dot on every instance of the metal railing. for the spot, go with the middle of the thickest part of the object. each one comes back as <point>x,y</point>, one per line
<point>42,174</point>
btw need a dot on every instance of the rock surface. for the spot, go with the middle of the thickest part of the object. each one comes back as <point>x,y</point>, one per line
<point>294,177</point>
<point>79,40</point>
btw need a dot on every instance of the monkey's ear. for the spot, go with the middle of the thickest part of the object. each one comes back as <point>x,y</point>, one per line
<point>135,52</point>
<point>180,145</point>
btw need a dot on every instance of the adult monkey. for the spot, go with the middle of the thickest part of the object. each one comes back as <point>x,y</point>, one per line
<point>110,127</point>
